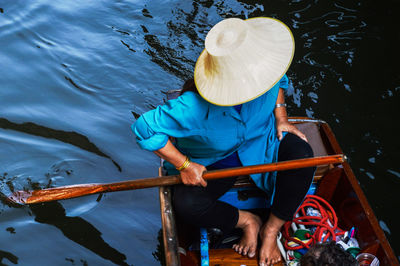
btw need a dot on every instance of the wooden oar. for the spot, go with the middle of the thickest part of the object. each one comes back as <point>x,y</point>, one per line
<point>73,191</point>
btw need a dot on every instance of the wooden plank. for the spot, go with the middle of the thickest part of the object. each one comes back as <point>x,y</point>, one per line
<point>169,228</point>
<point>225,257</point>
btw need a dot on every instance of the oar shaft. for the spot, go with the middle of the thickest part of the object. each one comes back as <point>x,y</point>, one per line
<point>73,191</point>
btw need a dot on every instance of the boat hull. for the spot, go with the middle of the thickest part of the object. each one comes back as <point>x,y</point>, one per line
<point>337,184</point>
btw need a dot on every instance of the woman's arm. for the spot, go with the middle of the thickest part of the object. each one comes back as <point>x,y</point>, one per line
<point>282,123</point>
<point>191,175</point>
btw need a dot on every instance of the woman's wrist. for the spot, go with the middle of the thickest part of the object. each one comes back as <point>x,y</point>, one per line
<point>281,118</point>
<point>280,112</point>
<point>184,165</point>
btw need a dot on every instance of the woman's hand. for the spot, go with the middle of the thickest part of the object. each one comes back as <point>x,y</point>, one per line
<point>284,125</point>
<point>193,175</point>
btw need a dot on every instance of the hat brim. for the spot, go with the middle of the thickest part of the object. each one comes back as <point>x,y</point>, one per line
<point>256,67</point>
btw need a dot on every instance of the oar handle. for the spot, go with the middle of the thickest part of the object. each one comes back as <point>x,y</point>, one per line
<point>73,191</point>
<point>271,167</point>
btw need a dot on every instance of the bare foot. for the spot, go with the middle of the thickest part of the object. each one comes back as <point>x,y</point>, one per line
<point>250,224</point>
<point>269,251</point>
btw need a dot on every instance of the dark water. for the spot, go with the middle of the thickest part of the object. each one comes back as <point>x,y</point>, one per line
<point>73,76</point>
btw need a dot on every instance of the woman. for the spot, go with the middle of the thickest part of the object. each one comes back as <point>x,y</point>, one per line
<point>233,115</point>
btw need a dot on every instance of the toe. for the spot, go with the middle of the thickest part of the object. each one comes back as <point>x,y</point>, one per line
<point>245,250</point>
<point>240,249</point>
<point>262,261</point>
<point>252,252</point>
<point>277,260</point>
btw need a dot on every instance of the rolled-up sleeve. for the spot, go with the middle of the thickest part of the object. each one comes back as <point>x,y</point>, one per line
<point>146,138</point>
<point>174,119</point>
<point>284,82</point>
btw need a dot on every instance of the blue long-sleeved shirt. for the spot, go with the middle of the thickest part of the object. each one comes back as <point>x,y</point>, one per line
<point>207,133</point>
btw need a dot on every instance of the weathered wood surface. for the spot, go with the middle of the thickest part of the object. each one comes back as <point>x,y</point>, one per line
<point>222,257</point>
<point>170,240</point>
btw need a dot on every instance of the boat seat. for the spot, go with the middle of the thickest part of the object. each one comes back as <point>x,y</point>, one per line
<point>312,132</point>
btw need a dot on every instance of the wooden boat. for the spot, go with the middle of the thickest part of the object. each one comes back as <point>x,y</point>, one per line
<point>335,183</point>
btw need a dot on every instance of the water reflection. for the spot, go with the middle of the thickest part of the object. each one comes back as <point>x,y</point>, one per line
<point>167,57</point>
<point>73,138</point>
<point>129,48</point>
<point>175,52</point>
<point>9,256</point>
<point>76,229</point>
<point>159,253</point>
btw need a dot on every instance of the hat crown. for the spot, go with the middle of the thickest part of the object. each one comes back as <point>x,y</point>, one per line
<point>226,36</point>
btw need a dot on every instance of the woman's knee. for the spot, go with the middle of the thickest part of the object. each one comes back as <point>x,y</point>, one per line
<point>305,150</point>
<point>293,147</point>
<point>188,203</point>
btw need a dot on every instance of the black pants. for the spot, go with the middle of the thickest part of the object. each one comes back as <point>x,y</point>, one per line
<point>200,205</point>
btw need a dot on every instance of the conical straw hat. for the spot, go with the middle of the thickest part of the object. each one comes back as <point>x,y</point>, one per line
<point>243,59</point>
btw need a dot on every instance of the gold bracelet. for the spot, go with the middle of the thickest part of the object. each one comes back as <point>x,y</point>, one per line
<point>185,164</point>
